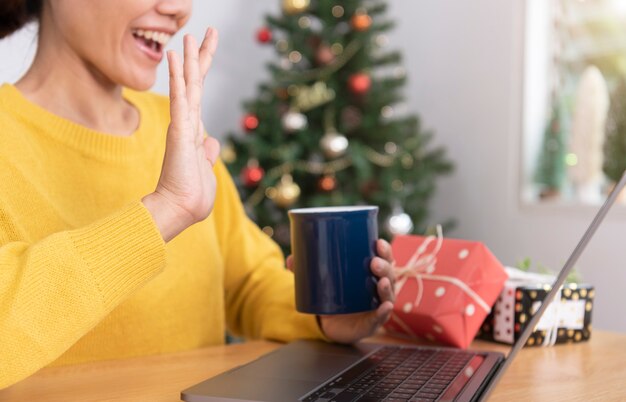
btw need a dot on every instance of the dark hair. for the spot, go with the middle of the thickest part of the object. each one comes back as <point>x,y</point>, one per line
<point>14,14</point>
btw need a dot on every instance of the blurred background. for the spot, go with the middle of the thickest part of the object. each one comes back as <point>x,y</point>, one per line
<point>487,77</point>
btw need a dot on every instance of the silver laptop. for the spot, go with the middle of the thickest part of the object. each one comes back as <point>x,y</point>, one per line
<point>317,371</point>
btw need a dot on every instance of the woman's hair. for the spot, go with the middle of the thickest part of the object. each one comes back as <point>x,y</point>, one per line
<point>14,14</point>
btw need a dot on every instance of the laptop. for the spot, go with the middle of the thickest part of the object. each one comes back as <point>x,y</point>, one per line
<point>310,371</point>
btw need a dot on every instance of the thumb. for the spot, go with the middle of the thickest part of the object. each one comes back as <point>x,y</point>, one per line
<point>290,262</point>
<point>211,149</point>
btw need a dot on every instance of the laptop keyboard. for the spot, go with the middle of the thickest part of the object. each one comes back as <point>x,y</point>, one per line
<point>396,373</point>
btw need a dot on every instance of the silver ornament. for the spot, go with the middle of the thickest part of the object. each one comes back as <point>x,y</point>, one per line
<point>333,144</point>
<point>399,223</point>
<point>294,121</point>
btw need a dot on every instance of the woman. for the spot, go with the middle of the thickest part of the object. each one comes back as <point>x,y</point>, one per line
<point>121,233</point>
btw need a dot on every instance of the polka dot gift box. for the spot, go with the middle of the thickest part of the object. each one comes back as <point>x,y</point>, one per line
<point>444,289</point>
<point>567,318</point>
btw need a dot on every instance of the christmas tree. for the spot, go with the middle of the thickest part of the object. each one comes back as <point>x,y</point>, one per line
<point>550,173</point>
<point>615,140</point>
<point>327,129</point>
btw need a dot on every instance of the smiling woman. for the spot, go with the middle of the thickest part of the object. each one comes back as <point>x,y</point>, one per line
<point>114,241</point>
<point>152,42</point>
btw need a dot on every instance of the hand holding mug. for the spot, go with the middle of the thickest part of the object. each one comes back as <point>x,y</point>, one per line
<point>343,272</point>
<point>350,328</point>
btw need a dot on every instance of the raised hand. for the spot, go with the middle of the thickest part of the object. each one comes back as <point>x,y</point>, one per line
<point>186,189</point>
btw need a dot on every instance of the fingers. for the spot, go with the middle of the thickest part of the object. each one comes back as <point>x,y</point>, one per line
<point>207,50</point>
<point>192,80</point>
<point>387,298</point>
<point>383,269</point>
<point>383,249</point>
<point>289,262</point>
<point>178,93</point>
<point>384,312</point>
<point>211,149</point>
<point>380,316</point>
<point>385,290</point>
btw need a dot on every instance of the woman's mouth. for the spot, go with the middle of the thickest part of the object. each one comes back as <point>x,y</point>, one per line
<point>151,42</point>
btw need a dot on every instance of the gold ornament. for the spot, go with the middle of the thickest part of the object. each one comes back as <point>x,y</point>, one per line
<point>391,147</point>
<point>304,22</point>
<point>295,56</point>
<point>407,161</point>
<point>228,153</point>
<point>307,98</point>
<point>397,185</point>
<point>381,40</point>
<point>386,112</point>
<point>287,192</point>
<point>282,45</point>
<point>336,48</point>
<point>293,7</point>
<point>268,230</point>
<point>338,11</point>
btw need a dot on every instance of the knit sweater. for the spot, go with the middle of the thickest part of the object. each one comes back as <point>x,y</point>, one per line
<point>84,272</point>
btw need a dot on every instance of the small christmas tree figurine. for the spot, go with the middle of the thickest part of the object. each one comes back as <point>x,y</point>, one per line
<point>550,173</point>
<point>615,140</point>
<point>326,129</point>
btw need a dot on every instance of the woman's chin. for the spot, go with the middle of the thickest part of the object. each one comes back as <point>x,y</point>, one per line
<point>141,82</point>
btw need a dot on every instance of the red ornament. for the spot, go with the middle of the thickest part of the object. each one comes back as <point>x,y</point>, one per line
<point>250,122</point>
<point>359,83</point>
<point>327,183</point>
<point>369,187</point>
<point>252,175</point>
<point>324,55</point>
<point>264,35</point>
<point>361,22</point>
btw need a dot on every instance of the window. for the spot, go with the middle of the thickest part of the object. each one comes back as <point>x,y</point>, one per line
<point>574,99</point>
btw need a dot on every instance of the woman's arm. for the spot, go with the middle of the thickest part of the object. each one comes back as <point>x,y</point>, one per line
<point>260,298</point>
<point>53,291</point>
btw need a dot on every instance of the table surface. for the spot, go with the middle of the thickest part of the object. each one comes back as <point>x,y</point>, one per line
<point>592,370</point>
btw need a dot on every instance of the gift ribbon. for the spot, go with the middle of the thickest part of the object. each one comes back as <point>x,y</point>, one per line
<point>552,331</point>
<point>421,266</point>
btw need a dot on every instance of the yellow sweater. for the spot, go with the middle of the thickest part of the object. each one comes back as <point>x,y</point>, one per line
<point>84,272</point>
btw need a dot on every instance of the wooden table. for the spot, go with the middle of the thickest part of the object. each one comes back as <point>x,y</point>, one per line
<point>594,370</point>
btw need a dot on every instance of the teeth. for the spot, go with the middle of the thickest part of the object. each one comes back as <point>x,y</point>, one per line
<point>156,36</point>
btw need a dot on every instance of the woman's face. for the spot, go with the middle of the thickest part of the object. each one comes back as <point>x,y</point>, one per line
<point>122,40</point>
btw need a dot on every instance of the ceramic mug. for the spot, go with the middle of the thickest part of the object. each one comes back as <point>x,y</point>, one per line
<point>332,250</point>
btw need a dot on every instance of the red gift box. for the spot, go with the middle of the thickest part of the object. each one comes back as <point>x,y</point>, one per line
<point>444,288</point>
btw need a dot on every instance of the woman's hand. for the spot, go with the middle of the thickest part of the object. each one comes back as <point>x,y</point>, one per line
<point>349,328</point>
<point>186,189</point>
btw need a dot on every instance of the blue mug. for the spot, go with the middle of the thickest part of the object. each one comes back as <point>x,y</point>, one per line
<point>332,250</point>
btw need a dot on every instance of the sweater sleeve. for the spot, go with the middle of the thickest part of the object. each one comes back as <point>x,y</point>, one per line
<point>53,291</point>
<point>260,298</point>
